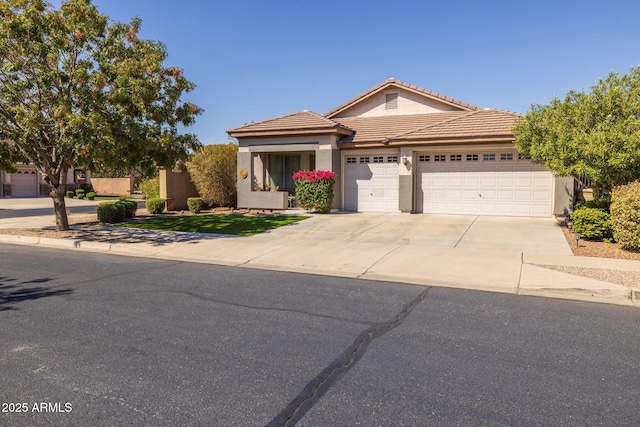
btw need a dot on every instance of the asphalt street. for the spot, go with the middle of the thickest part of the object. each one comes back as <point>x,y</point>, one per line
<point>94,339</point>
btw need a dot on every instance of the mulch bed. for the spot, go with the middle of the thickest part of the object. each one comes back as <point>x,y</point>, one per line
<point>590,248</point>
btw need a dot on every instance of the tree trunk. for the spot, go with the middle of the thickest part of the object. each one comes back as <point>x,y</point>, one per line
<point>57,194</point>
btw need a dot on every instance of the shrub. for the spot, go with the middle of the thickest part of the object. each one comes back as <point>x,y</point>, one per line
<point>130,207</point>
<point>213,171</point>
<point>601,203</point>
<point>314,190</point>
<point>111,213</point>
<point>625,215</point>
<point>86,187</point>
<point>91,195</point>
<point>592,223</point>
<point>150,187</point>
<point>70,194</point>
<point>155,205</point>
<point>80,193</point>
<point>195,204</point>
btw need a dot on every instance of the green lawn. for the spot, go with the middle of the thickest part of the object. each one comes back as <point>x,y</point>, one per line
<point>237,225</point>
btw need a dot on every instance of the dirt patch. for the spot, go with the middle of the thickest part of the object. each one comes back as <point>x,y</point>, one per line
<point>589,248</point>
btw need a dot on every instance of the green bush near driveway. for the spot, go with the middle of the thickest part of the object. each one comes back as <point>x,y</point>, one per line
<point>314,190</point>
<point>625,215</point>
<point>91,195</point>
<point>195,204</point>
<point>155,205</point>
<point>130,206</point>
<point>71,194</point>
<point>592,223</point>
<point>80,193</point>
<point>233,224</point>
<point>111,213</point>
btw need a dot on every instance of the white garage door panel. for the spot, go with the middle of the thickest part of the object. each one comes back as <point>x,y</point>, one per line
<point>371,187</point>
<point>24,184</point>
<point>498,187</point>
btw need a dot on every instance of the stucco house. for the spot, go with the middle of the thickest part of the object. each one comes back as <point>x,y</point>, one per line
<point>399,148</point>
<point>28,182</point>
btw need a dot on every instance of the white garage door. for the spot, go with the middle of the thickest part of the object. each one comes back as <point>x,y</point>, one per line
<point>483,184</point>
<point>371,184</point>
<point>24,184</point>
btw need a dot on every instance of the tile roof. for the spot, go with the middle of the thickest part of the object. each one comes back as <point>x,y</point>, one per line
<point>290,123</point>
<point>437,126</point>
<point>398,83</point>
<point>471,123</point>
<point>378,128</point>
<point>476,124</point>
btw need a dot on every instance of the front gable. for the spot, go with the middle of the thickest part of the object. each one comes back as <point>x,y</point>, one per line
<point>394,98</point>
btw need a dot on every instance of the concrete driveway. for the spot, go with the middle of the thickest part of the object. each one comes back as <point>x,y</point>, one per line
<point>512,234</point>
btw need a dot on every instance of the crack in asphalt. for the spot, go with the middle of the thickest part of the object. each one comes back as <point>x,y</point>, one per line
<point>330,376</point>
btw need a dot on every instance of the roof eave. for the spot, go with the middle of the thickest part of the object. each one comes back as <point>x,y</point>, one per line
<point>288,132</point>
<point>429,141</point>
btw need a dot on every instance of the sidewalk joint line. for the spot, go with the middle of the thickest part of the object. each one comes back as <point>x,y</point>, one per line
<point>377,261</point>
<point>465,231</point>
<point>520,275</point>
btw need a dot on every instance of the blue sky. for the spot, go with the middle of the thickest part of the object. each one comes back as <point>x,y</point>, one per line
<point>256,59</point>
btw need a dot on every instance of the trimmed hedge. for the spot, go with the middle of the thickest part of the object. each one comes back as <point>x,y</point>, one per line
<point>195,204</point>
<point>625,215</point>
<point>111,213</point>
<point>86,187</point>
<point>592,223</point>
<point>155,205</point>
<point>71,194</point>
<point>130,207</point>
<point>91,195</point>
<point>80,193</point>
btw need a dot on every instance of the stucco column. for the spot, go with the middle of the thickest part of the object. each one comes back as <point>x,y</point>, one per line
<point>406,191</point>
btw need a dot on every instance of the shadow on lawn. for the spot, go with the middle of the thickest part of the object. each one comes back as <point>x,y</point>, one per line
<point>13,293</point>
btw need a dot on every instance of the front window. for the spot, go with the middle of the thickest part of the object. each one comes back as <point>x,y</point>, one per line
<point>280,172</point>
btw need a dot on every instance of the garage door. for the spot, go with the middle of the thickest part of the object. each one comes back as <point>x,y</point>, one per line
<point>483,184</point>
<point>371,184</point>
<point>24,184</point>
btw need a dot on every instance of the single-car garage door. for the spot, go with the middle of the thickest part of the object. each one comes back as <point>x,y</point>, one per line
<point>483,183</point>
<point>371,183</point>
<point>24,184</point>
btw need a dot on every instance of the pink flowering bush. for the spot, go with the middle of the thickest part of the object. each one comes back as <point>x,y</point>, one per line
<point>314,190</point>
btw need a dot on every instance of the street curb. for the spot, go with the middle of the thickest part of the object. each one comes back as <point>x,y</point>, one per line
<point>618,296</point>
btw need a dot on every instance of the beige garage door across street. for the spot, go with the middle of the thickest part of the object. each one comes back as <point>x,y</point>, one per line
<point>371,183</point>
<point>483,183</point>
<point>24,184</point>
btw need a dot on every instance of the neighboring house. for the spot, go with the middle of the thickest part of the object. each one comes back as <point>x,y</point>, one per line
<point>399,148</point>
<point>27,182</point>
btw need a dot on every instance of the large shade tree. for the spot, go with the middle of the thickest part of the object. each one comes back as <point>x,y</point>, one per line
<point>77,88</point>
<point>593,134</point>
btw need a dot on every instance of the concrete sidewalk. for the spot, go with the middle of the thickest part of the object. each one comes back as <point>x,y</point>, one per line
<point>479,253</point>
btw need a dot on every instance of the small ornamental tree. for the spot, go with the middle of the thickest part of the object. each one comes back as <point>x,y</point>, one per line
<point>314,190</point>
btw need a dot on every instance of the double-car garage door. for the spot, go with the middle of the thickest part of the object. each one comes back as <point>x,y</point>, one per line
<point>477,183</point>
